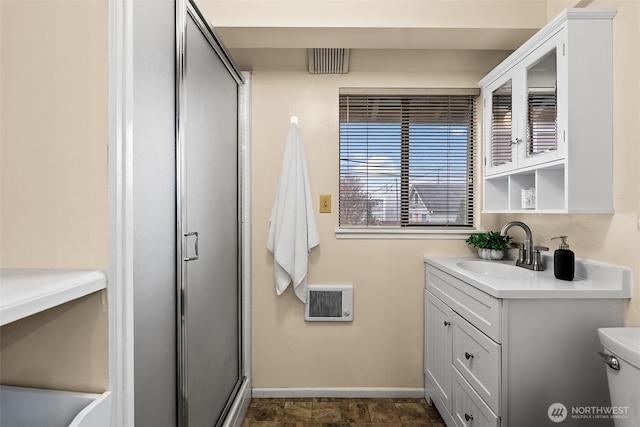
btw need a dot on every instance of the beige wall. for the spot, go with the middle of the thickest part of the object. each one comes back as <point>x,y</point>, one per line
<point>383,345</point>
<point>63,348</point>
<point>54,134</point>
<point>53,183</point>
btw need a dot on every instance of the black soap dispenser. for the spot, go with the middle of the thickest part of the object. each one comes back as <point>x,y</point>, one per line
<point>564,260</point>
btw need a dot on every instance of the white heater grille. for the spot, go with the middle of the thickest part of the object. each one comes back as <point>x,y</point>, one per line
<point>329,303</point>
<point>328,61</point>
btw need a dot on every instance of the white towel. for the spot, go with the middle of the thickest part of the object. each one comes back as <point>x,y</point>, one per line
<point>292,230</point>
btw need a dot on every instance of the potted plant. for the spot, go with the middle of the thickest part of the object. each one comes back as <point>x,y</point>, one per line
<point>491,245</point>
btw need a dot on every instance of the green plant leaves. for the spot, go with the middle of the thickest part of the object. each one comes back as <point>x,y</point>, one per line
<point>490,240</point>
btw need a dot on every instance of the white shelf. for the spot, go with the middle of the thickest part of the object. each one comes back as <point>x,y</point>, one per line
<point>24,292</point>
<point>22,406</point>
<point>503,192</point>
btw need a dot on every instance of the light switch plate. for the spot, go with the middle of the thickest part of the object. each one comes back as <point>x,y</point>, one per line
<point>325,203</point>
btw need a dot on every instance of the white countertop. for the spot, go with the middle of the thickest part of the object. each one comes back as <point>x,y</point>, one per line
<point>24,292</point>
<point>593,280</point>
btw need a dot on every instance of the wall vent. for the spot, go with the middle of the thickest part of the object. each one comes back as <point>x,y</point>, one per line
<point>329,303</point>
<point>328,61</point>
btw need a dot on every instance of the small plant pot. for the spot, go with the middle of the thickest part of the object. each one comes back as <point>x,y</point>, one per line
<point>490,254</point>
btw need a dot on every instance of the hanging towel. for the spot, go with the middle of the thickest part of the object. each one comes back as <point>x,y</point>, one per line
<point>292,230</point>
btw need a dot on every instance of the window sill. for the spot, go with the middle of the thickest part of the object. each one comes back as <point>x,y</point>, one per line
<point>394,233</point>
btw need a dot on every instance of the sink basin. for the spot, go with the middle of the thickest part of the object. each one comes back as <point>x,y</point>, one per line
<point>493,269</point>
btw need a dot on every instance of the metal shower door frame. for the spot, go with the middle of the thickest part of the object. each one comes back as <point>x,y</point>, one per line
<point>184,10</point>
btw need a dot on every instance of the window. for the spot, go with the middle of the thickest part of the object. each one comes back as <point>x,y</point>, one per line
<point>407,160</point>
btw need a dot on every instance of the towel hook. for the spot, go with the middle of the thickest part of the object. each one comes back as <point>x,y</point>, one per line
<point>294,120</point>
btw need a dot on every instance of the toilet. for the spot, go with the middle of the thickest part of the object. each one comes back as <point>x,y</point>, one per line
<point>622,360</point>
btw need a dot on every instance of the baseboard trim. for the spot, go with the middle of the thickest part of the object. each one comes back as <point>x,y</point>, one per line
<point>240,406</point>
<point>338,392</point>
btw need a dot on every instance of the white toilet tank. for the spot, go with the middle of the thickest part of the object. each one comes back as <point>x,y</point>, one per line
<point>622,351</point>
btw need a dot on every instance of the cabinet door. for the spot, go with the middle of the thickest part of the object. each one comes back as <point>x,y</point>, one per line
<point>540,133</point>
<point>524,123</point>
<point>438,345</point>
<point>500,130</point>
<point>477,358</point>
<point>469,410</point>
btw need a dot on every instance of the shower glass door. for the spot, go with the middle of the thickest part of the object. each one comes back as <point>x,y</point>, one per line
<point>210,370</point>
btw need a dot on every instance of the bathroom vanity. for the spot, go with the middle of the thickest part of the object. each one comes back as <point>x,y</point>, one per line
<point>503,344</point>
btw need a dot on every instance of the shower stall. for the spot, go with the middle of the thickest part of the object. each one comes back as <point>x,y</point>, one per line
<point>189,359</point>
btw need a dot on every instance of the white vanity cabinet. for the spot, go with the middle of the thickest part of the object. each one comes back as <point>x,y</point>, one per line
<point>547,119</point>
<point>502,355</point>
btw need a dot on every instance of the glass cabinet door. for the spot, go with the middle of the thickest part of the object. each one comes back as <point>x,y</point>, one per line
<point>500,130</point>
<point>541,130</point>
<point>541,107</point>
<point>501,125</point>
<point>522,125</point>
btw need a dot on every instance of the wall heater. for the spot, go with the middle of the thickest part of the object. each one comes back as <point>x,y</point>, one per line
<point>329,303</point>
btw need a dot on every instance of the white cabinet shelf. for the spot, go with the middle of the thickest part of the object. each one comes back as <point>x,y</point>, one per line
<point>22,406</point>
<point>24,292</point>
<point>548,120</point>
<point>503,192</point>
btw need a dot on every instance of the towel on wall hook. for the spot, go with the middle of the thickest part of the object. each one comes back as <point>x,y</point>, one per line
<point>292,230</point>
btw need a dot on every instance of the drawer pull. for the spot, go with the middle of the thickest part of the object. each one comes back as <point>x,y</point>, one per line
<point>468,417</point>
<point>447,323</point>
<point>468,355</point>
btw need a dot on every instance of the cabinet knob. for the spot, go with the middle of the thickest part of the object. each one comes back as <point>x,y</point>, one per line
<point>447,323</point>
<point>468,356</point>
<point>468,417</point>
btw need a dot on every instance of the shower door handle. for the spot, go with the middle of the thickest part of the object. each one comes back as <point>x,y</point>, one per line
<point>196,255</point>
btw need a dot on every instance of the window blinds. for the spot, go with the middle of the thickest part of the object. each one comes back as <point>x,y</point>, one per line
<point>407,160</point>
<point>541,128</point>
<point>501,129</point>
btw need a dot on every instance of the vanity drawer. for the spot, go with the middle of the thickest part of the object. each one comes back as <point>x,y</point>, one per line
<point>478,307</point>
<point>468,408</point>
<point>478,359</point>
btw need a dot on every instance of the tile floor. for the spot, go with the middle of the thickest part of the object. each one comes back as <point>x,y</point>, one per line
<point>329,412</point>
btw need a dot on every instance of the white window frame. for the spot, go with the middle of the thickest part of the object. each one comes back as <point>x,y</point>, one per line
<point>419,232</point>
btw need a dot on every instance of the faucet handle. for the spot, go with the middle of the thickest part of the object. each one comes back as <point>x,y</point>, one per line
<point>536,260</point>
<point>521,252</point>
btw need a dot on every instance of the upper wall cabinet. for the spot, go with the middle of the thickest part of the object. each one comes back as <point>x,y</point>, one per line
<point>548,120</point>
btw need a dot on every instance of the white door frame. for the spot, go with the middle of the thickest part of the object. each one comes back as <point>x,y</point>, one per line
<point>120,285</point>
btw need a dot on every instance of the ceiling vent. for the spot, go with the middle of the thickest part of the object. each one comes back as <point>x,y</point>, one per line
<point>328,61</point>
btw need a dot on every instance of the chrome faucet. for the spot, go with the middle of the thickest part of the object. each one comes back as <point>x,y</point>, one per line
<point>528,255</point>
